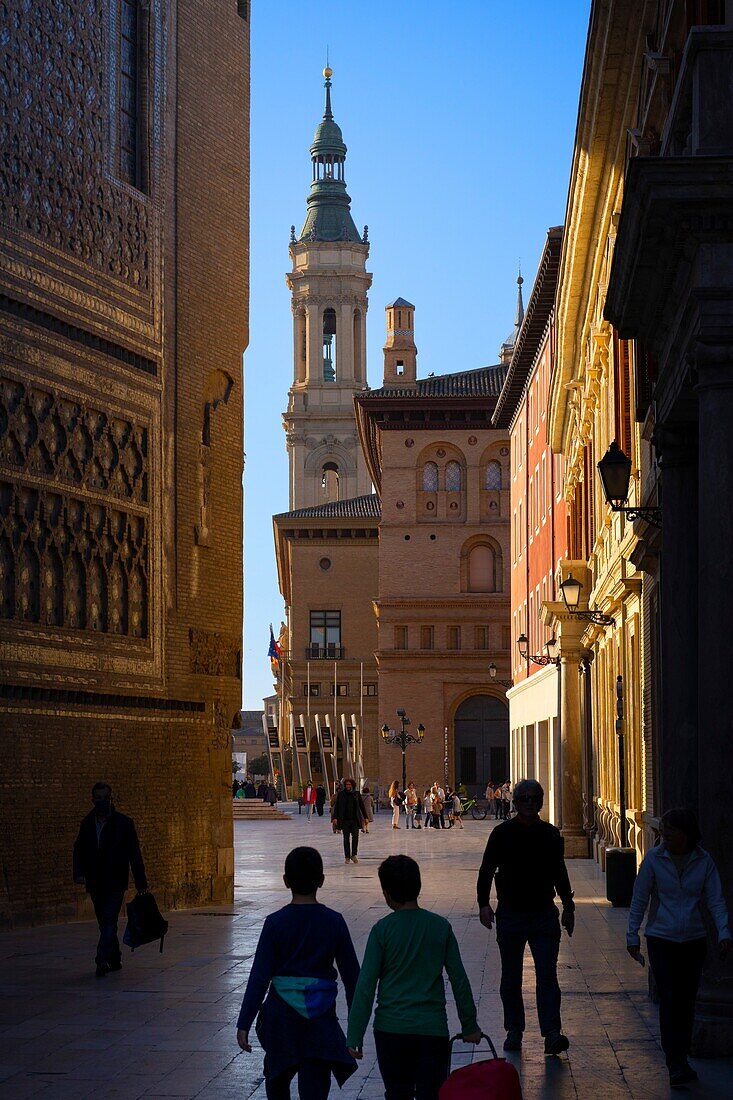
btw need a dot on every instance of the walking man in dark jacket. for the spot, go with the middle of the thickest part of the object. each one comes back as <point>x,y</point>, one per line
<point>104,852</point>
<point>526,855</point>
<point>348,816</point>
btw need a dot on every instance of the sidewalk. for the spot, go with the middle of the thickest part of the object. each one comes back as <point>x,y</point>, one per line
<point>164,1026</point>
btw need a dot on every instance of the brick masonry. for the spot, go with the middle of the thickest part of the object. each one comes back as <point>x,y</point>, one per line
<point>121,455</point>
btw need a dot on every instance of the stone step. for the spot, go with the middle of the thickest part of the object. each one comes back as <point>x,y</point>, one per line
<point>252,809</point>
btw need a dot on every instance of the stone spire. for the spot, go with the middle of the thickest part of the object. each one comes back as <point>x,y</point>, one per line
<point>507,348</point>
<point>329,206</point>
<point>519,315</point>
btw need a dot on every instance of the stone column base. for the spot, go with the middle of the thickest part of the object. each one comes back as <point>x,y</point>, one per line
<point>576,847</point>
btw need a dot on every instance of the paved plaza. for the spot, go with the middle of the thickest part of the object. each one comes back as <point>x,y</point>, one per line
<point>164,1026</point>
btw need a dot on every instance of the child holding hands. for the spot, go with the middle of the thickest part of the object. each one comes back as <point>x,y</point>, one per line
<point>292,985</point>
<point>404,960</point>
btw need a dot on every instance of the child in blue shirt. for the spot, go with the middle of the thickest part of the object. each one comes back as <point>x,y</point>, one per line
<point>292,985</point>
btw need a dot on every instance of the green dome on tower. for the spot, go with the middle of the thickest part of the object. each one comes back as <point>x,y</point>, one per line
<point>329,206</point>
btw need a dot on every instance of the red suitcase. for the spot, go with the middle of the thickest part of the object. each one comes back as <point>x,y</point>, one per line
<point>492,1079</point>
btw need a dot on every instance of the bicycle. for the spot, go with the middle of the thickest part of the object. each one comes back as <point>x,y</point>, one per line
<point>478,812</point>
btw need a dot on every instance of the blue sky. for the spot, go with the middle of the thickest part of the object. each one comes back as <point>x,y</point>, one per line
<point>459,120</point>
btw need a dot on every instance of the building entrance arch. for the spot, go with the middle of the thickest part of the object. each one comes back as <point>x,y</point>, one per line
<point>481,739</point>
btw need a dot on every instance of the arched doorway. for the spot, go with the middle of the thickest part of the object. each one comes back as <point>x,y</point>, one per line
<point>481,743</point>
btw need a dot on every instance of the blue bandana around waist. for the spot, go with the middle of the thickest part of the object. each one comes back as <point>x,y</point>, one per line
<point>310,997</point>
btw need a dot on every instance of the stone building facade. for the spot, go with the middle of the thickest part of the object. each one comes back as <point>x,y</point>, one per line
<point>123,319</point>
<point>643,361</point>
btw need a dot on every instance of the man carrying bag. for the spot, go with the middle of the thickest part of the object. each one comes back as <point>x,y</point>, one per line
<point>105,851</point>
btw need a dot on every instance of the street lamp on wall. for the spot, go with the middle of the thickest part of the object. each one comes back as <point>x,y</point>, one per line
<point>571,588</point>
<point>550,657</point>
<point>492,673</point>
<point>615,473</point>
<point>403,739</point>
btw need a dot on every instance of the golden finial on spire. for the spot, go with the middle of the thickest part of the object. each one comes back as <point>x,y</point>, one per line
<point>328,72</point>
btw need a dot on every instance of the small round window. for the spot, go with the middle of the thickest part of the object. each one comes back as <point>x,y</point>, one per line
<point>325,564</point>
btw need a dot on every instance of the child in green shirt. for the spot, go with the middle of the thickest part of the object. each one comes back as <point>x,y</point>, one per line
<point>405,956</point>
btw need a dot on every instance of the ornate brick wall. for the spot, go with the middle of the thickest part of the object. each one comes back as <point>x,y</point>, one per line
<point>123,319</point>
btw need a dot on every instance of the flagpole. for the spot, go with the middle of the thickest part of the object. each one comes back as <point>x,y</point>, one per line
<point>335,725</point>
<point>308,697</point>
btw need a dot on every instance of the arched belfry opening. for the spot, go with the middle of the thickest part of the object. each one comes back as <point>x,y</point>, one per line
<point>329,345</point>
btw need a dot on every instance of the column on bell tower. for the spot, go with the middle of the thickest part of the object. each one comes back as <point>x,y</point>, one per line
<point>329,285</point>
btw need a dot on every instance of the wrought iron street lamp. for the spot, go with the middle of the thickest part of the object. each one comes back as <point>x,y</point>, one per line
<point>571,588</point>
<point>492,673</point>
<point>550,657</point>
<point>403,739</point>
<point>615,473</point>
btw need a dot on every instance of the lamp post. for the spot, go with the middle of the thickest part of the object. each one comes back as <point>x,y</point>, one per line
<point>403,739</point>
<point>550,657</point>
<point>615,473</point>
<point>571,588</point>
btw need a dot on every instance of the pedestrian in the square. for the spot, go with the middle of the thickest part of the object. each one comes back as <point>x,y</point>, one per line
<point>309,798</point>
<point>348,816</point>
<point>506,800</point>
<point>497,803</point>
<point>271,794</point>
<point>526,855</point>
<point>262,791</point>
<point>457,810</point>
<point>405,957</point>
<point>427,801</point>
<point>489,796</point>
<point>320,799</point>
<point>105,851</point>
<point>440,791</point>
<point>410,805</point>
<point>418,812</point>
<point>366,796</point>
<point>677,876</point>
<point>438,809</point>
<point>395,802</point>
<point>292,988</point>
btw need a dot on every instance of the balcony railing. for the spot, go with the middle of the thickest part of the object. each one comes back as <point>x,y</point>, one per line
<point>329,652</point>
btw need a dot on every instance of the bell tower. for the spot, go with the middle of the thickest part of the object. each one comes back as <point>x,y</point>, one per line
<point>328,283</point>
<point>400,353</point>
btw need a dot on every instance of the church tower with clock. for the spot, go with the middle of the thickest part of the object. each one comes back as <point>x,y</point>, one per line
<point>329,284</point>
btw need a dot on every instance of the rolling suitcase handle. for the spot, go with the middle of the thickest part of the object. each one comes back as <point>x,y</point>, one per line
<point>459,1038</point>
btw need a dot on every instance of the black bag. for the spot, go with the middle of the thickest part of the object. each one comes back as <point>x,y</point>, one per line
<point>144,922</point>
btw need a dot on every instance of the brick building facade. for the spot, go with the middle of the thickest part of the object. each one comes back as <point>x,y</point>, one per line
<point>123,319</point>
<point>399,598</point>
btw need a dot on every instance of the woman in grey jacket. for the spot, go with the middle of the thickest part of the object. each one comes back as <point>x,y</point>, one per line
<point>673,880</point>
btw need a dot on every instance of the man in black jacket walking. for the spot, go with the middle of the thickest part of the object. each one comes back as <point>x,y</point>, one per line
<point>105,850</point>
<point>526,855</point>
<point>348,816</point>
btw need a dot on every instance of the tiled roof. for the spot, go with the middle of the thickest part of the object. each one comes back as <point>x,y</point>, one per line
<point>366,507</point>
<point>481,382</point>
<point>533,327</point>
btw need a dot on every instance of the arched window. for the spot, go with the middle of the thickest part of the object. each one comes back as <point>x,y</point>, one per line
<point>330,481</point>
<point>453,477</point>
<point>430,477</point>
<point>481,569</point>
<point>329,345</point>
<point>493,476</point>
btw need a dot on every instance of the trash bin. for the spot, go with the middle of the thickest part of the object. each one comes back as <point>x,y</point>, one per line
<point>620,875</point>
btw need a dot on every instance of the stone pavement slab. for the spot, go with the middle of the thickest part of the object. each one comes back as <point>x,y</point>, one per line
<point>164,1026</point>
